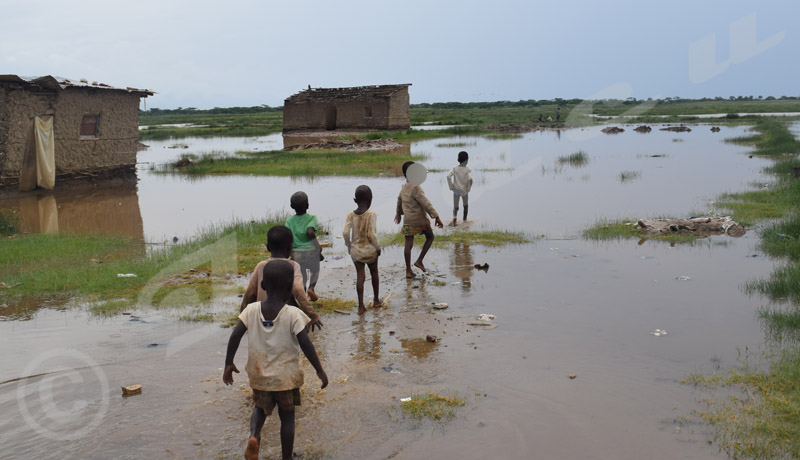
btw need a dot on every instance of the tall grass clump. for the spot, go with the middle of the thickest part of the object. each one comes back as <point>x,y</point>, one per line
<point>576,160</point>
<point>773,138</point>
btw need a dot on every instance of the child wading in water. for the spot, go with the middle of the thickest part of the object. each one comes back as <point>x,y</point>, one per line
<point>459,179</point>
<point>412,204</point>
<point>360,237</point>
<point>305,247</point>
<point>276,333</point>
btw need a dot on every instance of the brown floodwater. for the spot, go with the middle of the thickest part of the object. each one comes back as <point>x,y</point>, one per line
<point>564,306</point>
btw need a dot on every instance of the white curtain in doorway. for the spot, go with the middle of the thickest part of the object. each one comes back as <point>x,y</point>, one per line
<point>45,153</point>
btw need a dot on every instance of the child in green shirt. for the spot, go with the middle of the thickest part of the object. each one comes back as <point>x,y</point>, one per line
<point>306,250</point>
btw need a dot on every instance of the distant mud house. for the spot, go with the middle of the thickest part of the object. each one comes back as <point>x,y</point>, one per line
<point>57,127</point>
<point>361,107</point>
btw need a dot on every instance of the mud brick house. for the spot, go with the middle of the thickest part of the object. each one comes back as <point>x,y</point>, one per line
<point>360,107</point>
<point>58,127</point>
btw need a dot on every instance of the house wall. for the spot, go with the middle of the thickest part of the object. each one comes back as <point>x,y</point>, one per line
<point>399,113</point>
<point>114,146</point>
<point>349,114</point>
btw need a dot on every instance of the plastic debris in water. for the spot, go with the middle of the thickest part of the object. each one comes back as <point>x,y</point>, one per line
<point>485,317</point>
<point>659,332</point>
<point>440,305</point>
<point>682,278</point>
<point>405,399</point>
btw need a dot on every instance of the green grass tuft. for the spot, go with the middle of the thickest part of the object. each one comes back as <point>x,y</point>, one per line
<point>576,160</point>
<point>443,240</point>
<point>433,407</point>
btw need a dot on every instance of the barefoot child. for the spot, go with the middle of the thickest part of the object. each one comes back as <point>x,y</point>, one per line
<point>459,179</point>
<point>360,237</point>
<point>412,204</point>
<point>279,245</point>
<point>276,333</point>
<point>305,248</point>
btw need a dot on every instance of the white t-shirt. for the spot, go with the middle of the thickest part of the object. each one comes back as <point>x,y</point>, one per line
<point>273,352</point>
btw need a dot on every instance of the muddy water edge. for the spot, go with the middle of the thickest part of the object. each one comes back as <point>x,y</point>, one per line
<point>564,307</point>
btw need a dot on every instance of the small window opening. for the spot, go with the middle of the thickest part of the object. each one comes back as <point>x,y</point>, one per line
<point>89,125</point>
<point>367,112</point>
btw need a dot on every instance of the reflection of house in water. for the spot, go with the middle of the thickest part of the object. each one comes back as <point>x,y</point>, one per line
<point>65,128</point>
<point>110,210</point>
<point>361,107</point>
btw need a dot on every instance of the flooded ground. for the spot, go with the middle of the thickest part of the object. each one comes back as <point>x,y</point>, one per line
<point>564,306</point>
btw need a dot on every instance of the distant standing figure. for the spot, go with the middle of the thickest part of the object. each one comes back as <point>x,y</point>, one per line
<point>540,117</point>
<point>306,250</point>
<point>413,205</point>
<point>558,114</point>
<point>360,237</point>
<point>459,179</point>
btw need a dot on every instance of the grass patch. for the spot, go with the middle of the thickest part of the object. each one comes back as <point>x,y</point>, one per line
<point>298,163</point>
<point>494,238</point>
<point>412,134</point>
<point>503,136</point>
<point>773,138</point>
<point>432,406</point>
<point>625,229</point>
<point>576,160</point>
<point>242,124</point>
<point>42,266</point>
<point>455,145</point>
<point>328,305</point>
<point>9,223</point>
<point>759,419</point>
<point>198,318</point>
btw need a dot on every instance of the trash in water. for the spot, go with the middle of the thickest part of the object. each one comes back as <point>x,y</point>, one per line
<point>132,390</point>
<point>485,317</point>
<point>682,278</point>
<point>440,305</point>
<point>405,399</point>
<point>431,338</point>
<point>483,320</point>
<point>659,332</point>
<point>572,376</point>
<point>484,267</point>
<point>126,275</point>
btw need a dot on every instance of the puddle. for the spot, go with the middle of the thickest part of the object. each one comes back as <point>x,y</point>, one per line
<point>587,310</point>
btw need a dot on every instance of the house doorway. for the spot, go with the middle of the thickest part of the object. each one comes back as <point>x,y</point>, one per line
<point>330,118</point>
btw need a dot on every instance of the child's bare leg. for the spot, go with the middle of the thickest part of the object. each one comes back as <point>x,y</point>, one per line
<point>360,278</point>
<point>428,242</point>
<point>373,272</point>
<point>257,420</point>
<point>455,207</point>
<point>465,200</point>
<point>287,432</point>
<point>407,255</point>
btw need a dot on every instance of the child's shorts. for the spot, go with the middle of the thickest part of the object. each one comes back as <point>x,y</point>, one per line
<point>285,400</point>
<point>411,230</point>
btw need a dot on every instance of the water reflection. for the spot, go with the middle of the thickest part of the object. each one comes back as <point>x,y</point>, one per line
<point>417,347</point>
<point>112,209</point>
<point>368,339</point>
<point>462,264</point>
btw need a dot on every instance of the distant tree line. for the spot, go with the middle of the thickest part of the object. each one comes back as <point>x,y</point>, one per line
<point>216,110</point>
<point>469,105</point>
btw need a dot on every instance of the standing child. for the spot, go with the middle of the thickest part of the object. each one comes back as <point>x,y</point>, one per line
<point>305,248</point>
<point>276,335</point>
<point>360,237</point>
<point>459,179</point>
<point>412,204</point>
<point>279,245</point>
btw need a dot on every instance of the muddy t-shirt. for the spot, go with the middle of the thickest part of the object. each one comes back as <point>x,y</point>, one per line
<point>273,352</point>
<point>298,225</point>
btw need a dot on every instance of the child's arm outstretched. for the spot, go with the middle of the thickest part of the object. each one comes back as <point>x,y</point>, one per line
<point>399,210</point>
<point>233,345</point>
<point>311,354</point>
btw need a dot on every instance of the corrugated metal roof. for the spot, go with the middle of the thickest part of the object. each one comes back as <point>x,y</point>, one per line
<point>58,83</point>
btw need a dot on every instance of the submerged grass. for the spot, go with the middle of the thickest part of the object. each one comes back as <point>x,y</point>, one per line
<point>772,138</point>
<point>759,419</point>
<point>41,266</point>
<point>298,163</point>
<point>627,228</point>
<point>576,160</point>
<point>412,134</point>
<point>433,407</point>
<point>9,223</point>
<point>493,238</point>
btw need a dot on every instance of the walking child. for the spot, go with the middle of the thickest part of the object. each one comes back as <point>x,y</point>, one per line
<point>459,179</point>
<point>305,247</point>
<point>360,228</point>
<point>279,245</point>
<point>413,205</point>
<point>276,333</point>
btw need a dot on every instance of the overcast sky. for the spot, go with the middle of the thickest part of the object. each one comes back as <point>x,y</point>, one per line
<point>207,54</point>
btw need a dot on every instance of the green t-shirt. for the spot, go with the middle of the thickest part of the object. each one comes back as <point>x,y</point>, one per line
<point>298,225</point>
